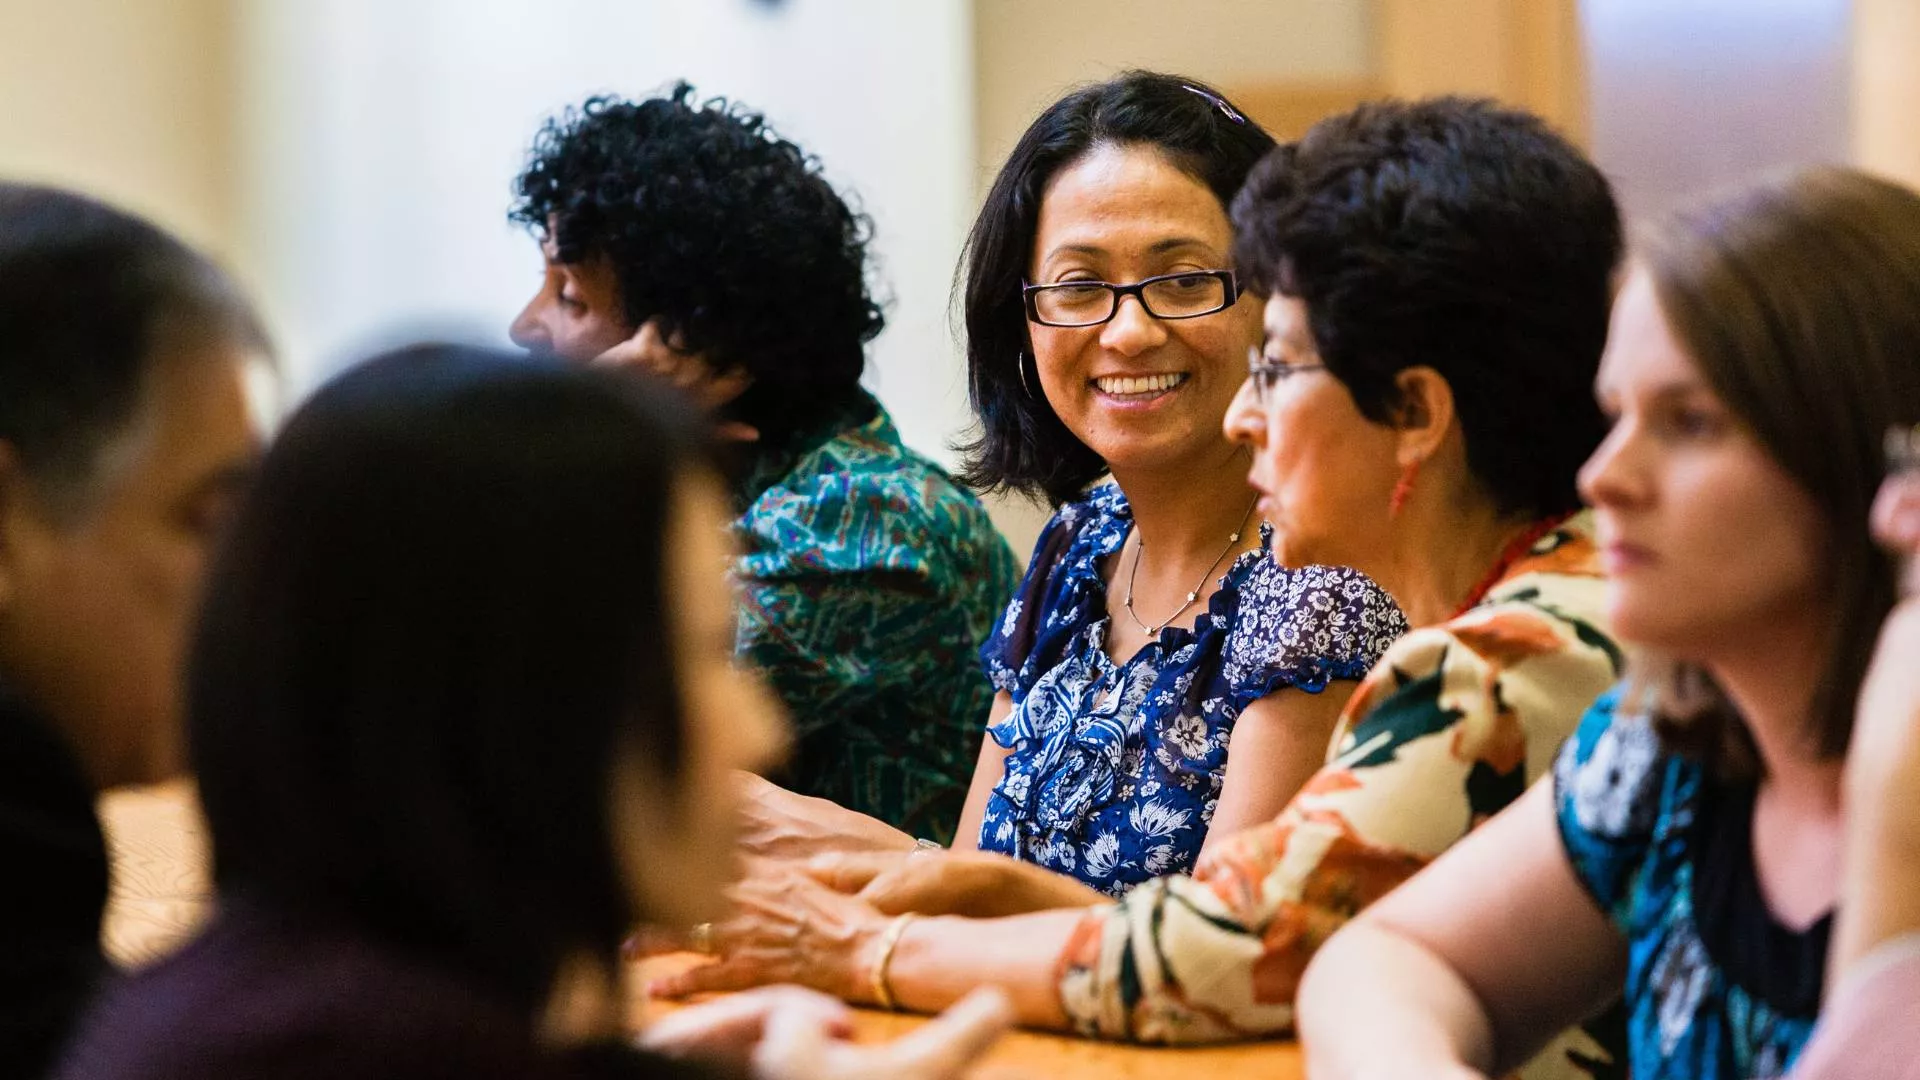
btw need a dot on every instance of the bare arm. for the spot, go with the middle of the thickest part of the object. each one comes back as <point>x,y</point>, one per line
<point>1278,743</point>
<point>1474,964</point>
<point>783,825</point>
<point>987,771</point>
<point>789,927</point>
<point>940,959</point>
<point>980,884</point>
<point>1880,886</point>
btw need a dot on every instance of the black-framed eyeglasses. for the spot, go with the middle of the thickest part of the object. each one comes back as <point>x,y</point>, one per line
<point>1186,295</point>
<point>1264,373</point>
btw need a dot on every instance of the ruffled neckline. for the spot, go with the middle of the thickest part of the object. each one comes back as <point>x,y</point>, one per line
<point>1084,584</point>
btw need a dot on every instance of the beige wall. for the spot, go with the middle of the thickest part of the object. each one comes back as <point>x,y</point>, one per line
<point>1027,52</point>
<point>1886,87</point>
<point>130,99</point>
<point>1524,52</point>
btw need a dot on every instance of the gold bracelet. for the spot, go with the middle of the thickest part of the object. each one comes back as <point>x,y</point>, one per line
<point>889,940</point>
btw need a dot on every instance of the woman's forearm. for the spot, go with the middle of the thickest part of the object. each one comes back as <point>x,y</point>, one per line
<point>1376,1004</point>
<point>780,824</point>
<point>940,958</point>
<point>1279,743</point>
<point>1881,885</point>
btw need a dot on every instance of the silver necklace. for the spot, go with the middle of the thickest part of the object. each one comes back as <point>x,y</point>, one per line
<point>1192,597</point>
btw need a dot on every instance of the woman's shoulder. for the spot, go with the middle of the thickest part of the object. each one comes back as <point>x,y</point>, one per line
<point>260,994</point>
<point>1327,607</point>
<point>1058,596</point>
<point>1559,572</point>
<point>863,470</point>
<point>264,994</point>
<point>1078,535</point>
<point>1537,646</point>
<point>863,501</point>
<point>1620,794</point>
<point>1101,509</point>
<point>1301,626</point>
<point>1612,770</point>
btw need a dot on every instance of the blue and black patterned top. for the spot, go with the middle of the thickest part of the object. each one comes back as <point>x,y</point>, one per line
<point>868,581</point>
<point>1115,768</point>
<point>1715,989</point>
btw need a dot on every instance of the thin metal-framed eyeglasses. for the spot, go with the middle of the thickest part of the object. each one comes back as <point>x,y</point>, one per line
<point>1186,295</point>
<point>1265,373</point>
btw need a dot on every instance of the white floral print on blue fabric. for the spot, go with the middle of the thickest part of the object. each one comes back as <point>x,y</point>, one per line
<point>1114,769</point>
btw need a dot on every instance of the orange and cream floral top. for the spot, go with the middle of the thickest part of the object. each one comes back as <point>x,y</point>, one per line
<point>1450,726</point>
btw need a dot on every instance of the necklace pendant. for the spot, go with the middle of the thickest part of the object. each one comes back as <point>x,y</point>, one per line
<point>1192,596</point>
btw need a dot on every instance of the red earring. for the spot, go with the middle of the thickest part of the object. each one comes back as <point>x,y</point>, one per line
<point>1402,489</point>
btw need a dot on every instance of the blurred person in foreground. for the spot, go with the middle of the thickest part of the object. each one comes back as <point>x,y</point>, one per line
<point>125,437</point>
<point>463,708</point>
<point>689,239</point>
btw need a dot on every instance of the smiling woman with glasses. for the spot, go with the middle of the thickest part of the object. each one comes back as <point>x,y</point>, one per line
<point>1418,411</point>
<point>1105,336</point>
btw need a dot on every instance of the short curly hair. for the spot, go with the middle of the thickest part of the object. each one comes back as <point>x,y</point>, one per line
<point>1462,236</point>
<point>724,233</point>
<point>1022,445</point>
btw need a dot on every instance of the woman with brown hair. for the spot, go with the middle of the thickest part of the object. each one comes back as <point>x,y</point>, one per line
<point>1688,848</point>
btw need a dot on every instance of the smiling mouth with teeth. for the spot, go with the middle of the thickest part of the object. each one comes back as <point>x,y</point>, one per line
<point>1138,385</point>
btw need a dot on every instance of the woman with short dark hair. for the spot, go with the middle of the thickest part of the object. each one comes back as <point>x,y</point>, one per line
<point>1106,334</point>
<point>463,710</point>
<point>1688,846</point>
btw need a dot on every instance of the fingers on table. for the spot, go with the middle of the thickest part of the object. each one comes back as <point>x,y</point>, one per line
<point>721,976</point>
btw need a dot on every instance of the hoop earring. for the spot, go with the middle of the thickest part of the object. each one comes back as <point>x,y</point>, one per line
<point>1020,365</point>
<point>1402,489</point>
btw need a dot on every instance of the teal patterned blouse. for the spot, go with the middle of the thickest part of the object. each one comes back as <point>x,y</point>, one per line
<point>1716,990</point>
<point>868,582</point>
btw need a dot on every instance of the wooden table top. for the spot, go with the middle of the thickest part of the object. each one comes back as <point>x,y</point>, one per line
<point>1042,1056</point>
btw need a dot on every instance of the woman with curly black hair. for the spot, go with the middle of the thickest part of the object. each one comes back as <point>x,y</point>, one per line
<point>687,237</point>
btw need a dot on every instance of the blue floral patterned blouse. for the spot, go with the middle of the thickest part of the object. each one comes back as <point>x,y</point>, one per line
<point>1115,768</point>
<point>1715,989</point>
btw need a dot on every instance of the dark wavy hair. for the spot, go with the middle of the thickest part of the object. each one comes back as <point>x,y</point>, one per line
<point>1458,235</point>
<point>437,623</point>
<point>721,230</point>
<point>1022,445</point>
<point>88,297</point>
